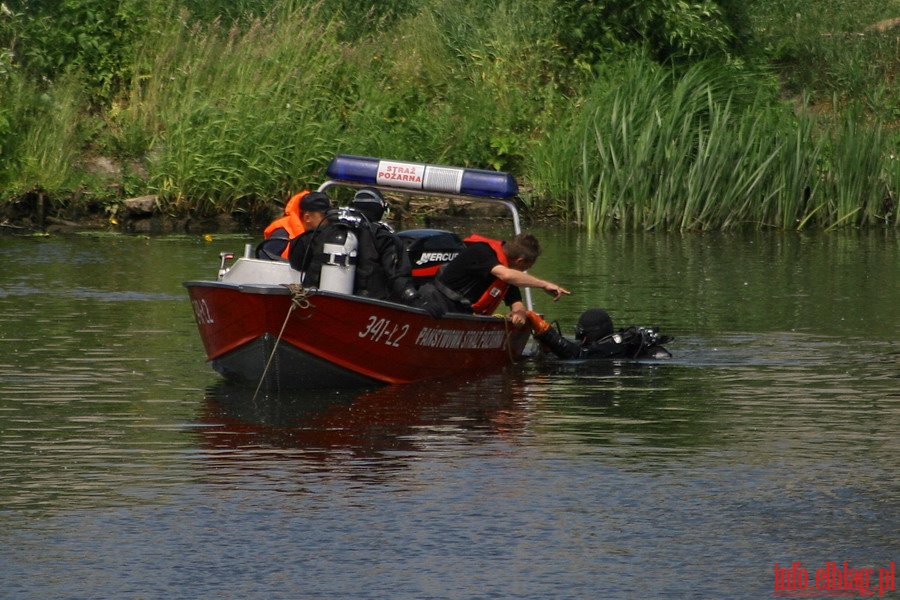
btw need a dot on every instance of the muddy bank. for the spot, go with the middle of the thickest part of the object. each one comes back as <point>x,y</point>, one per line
<point>33,213</point>
<point>143,215</point>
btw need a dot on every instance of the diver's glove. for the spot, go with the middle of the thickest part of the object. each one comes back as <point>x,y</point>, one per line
<point>538,325</point>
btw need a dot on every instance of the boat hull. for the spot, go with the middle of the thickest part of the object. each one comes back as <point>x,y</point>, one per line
<point>285,339</point>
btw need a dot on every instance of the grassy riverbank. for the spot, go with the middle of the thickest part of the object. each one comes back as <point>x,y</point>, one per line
<point>782,115</point>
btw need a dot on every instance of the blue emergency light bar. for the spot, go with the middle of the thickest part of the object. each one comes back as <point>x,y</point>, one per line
<point>424,177</point>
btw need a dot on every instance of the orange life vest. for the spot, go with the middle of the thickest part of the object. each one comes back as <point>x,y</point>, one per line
<point>495,292</point>
<point>290,222</point>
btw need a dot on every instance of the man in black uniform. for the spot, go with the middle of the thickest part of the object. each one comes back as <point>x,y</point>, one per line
<point>596,338</point>
<point>315,209</point>
<point>383,269</point>
<point>485,274</point>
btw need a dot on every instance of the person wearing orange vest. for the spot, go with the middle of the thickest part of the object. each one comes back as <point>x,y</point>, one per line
<point>305,210</point>
<point>290,225</point>
<point>487,273</point>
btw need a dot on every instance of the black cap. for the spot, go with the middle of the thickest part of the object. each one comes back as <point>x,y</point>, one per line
<point>593,324</point>
<point>369,202</point>
<point>315,202</point>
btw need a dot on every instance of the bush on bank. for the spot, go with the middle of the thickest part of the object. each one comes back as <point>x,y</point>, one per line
<point>671,116</point>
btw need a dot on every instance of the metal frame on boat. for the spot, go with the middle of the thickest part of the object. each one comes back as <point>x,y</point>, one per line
<point>259,325</point>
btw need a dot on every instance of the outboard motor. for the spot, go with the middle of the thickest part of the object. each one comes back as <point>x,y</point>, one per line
<point>429,250</point>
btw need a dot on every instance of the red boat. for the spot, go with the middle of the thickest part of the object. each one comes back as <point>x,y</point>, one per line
<point>259,325</point>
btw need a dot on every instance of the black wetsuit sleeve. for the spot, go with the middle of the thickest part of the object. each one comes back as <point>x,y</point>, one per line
<point>560,345</point>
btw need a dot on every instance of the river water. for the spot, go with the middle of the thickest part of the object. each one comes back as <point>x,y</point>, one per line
<point>128,469</point>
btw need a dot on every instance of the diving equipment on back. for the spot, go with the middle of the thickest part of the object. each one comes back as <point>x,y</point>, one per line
<point>596,338</point>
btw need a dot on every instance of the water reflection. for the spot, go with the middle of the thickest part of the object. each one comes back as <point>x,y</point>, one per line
<point>636,410</point>
<point>630,408</point>
<point>371,433</point>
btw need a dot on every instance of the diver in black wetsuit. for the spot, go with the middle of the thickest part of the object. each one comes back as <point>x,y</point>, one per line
<point>596,338</point>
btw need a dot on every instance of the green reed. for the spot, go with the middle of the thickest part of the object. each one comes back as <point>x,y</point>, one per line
<point>697,151</point>
<point>863,180</point>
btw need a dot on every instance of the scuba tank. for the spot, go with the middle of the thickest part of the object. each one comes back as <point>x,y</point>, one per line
<point>339,267</point>
<point>329,259</point>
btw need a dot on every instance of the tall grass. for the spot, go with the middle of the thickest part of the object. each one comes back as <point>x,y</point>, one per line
<point>234,115</point>
<point>858,179</point>
<point>701,151</point>
<point>42,151</point>
<point>455,83</point>
<point>225,117</point>
<point>839,49</point>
